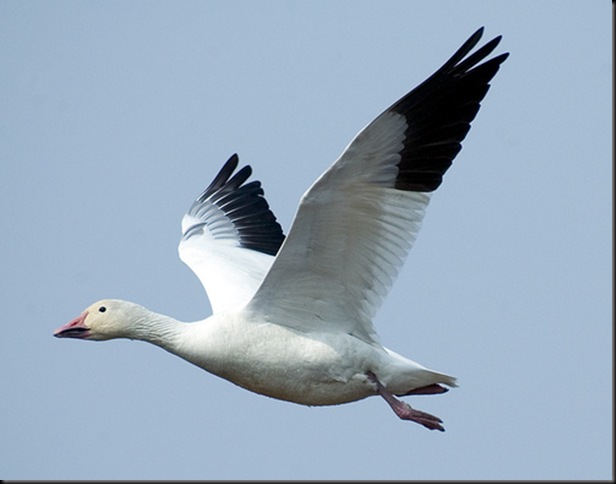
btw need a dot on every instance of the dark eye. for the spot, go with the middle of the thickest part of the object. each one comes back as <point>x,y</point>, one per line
<point>102,309</point>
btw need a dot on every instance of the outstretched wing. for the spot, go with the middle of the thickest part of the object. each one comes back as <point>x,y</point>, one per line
<point>230,237</point>
<point>356,224</point>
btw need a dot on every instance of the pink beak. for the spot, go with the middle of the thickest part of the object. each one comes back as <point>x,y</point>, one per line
<point>74,329</point>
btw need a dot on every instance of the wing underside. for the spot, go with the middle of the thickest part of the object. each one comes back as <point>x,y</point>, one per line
<point>230,237</point>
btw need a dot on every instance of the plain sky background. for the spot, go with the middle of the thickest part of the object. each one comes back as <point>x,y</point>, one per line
<point>115,115</point>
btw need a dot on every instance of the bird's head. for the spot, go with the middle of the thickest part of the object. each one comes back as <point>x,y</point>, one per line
<point>103,320</point>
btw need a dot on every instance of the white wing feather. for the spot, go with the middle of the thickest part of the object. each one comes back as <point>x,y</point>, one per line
<point>229,238</point>
<point>229,273</point>
<point>355,225</point>
<point>350,237</point>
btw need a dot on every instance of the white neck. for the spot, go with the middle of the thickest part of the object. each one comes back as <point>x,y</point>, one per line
<point>158,329</point>
<point>190,341</point>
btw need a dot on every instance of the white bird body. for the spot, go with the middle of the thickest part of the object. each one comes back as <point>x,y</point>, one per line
<point>293,316</point>
<point>281,362</point>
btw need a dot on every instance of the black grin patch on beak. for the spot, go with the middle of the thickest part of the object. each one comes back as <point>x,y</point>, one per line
<point>73,333</point>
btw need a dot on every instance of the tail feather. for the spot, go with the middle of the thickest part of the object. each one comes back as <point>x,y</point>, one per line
<point>415,379</point>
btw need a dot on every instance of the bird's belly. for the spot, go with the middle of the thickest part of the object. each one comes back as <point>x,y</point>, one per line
<point>301,387</point>
<point>288,365</point>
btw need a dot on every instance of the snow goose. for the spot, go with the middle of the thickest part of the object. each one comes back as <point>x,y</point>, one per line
<point>293,317</point>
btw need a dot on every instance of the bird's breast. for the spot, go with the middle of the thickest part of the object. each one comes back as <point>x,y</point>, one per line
<point>310,369</point>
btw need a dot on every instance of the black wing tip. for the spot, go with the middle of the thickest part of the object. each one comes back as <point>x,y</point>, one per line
<point>229,166</point>
<point>244,205</point>
<point>442,108</point>
<point>460,60</point>
<point>472,41</point>
<point>231,163</point>
<point>501,58</point>
<point>476,37</point>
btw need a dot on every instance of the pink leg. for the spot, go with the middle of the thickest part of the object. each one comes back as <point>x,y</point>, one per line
<point>404,410</point>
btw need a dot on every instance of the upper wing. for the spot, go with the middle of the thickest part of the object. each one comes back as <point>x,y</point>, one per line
<point>356,224</point>
<point>230,237</point>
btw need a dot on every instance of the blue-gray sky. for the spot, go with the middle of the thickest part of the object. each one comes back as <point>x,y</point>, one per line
<point>115,115</point>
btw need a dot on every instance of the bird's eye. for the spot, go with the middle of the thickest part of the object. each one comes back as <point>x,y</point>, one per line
<point>102,309</point>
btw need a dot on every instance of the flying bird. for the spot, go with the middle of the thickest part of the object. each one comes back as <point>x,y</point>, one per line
<point>293,316</point>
